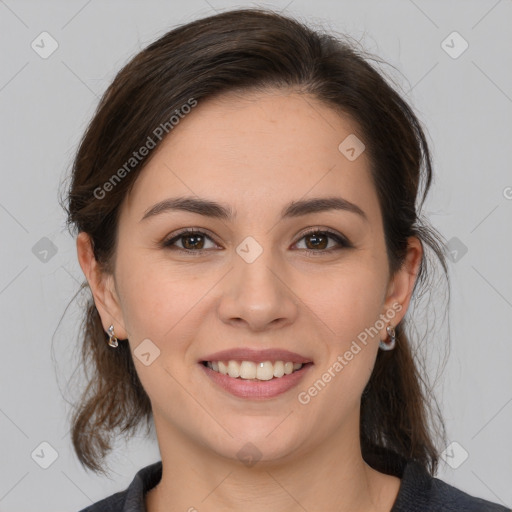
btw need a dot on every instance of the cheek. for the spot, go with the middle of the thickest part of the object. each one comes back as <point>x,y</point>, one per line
<point>163,304</point>
<point>157,298</point>
<point>346,306</point>
<point>345,302</point>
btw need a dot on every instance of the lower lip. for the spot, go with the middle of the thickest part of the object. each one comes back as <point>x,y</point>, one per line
<point>257,389</point>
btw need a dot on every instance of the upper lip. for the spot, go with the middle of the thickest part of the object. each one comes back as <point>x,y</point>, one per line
<point>248,354</point>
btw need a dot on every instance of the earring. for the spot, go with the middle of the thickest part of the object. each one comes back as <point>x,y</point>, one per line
<point>391,344</point>
<point>112,340</point>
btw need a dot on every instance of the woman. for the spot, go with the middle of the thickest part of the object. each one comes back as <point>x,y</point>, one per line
<point>245,203</point>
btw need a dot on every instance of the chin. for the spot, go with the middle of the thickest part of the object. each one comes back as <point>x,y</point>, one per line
<point>257,439</point>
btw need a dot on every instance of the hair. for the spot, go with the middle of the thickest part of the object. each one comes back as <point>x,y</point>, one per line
<point>240,51</point>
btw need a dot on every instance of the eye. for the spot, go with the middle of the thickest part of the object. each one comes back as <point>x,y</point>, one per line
<point>192,240</point>
<point>317,241</point>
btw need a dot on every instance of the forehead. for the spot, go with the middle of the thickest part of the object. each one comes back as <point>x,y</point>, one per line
<point>258,148</point>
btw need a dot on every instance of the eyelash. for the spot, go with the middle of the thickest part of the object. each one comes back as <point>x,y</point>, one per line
<point>341,240</point>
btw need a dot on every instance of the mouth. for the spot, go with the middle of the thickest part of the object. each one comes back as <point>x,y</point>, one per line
<point>255,380</point>
<point>254,371</point>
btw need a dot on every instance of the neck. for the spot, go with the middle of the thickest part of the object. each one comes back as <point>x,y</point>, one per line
<point>332,476</point>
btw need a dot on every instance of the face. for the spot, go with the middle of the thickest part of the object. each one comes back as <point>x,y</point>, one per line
<point>312,282</point>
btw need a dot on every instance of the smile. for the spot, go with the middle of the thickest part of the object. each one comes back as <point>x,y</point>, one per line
<point>250,370</point>
<point>255,380</point>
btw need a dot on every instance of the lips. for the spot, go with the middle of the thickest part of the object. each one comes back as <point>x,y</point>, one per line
<point>257,356</point>
<point>256,389</point>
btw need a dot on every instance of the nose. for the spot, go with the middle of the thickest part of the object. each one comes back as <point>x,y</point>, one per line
<point>258,295</point>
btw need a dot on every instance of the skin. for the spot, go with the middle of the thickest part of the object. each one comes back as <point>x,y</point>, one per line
<point>255,153</point>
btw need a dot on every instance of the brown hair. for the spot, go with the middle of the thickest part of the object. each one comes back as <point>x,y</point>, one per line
<point>240,50</point>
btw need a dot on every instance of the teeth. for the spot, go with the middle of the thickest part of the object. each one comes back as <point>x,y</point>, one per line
<point>223,368</point>
<point>250,370</point>
<point>278,369</point>
<point>265,371</point>
<point>247,369</point>
<point>233,369</point>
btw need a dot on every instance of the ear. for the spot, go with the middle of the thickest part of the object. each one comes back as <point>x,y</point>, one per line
<point>401,285</point>
<point>102,287</point>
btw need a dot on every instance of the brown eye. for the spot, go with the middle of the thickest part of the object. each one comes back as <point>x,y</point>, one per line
<point>191,240</point>
<point>318,241</point>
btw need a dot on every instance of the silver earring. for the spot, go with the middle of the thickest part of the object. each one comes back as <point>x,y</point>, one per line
<point>391,344</point>
<point>112,340</point>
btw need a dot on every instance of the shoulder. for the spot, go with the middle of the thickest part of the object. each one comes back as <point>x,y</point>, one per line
<point>445,497</point>
<point>113,503</point>
<point>132,498</point>
<point>420,492</point>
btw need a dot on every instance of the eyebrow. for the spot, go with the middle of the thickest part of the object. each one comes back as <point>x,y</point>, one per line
<point>216,210</point>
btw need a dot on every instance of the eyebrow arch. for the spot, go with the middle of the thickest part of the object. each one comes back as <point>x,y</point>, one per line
<point>216,210</point>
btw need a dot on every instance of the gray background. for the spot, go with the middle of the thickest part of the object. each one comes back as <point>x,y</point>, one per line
<point>466,105</point>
